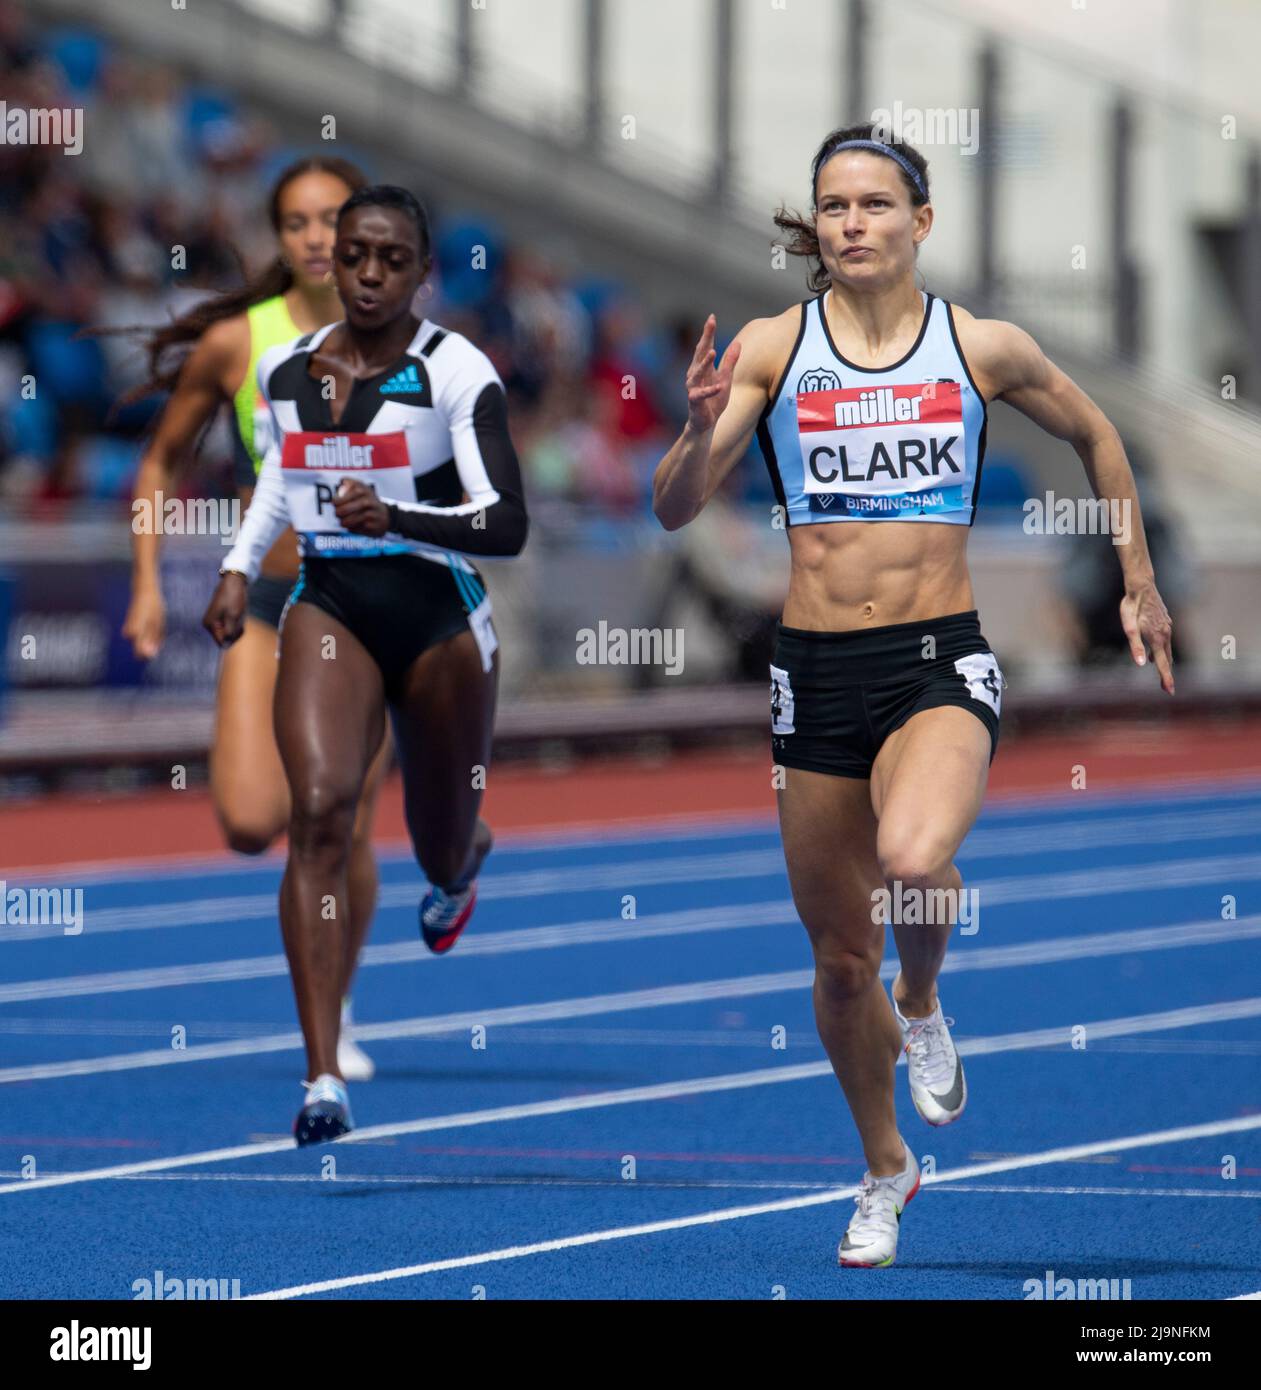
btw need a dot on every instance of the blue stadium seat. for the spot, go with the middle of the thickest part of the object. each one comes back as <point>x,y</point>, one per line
<point>208,114</point>
<point>463,286</point>
<point>1005,488</point>
<point>80,55</point>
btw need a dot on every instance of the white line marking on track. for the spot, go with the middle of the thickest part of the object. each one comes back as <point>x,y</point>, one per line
<point>707,1218</point>
<point>472,1180</point>
<point>1037,1190</point>
<point>1211,931</point>
<point>669,1090</point>
<point>542,1180</point>
<point>593,931</point>
<point>583,1007</point>
<point>687,825</point>
<point>690,920</point>
<point>1137,797</point>
<point>999,806</point>
<point>767,862</point>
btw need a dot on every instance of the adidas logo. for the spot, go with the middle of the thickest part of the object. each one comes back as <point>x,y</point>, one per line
<point>406,382</point>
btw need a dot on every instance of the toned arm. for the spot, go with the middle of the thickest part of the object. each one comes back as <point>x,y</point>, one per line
<point>1009,365</point>
<point>724,404</point>
<point>211,374</point>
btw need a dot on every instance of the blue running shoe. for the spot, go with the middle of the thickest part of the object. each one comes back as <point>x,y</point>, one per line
<point>326,1114</point>
<point>443,916</point>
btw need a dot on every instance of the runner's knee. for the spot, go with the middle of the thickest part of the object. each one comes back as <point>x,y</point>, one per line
<point>246,838</point>
<point>247,827</point>
<point>322,820</point>
<point>911,860</point>
<point>843,973</point>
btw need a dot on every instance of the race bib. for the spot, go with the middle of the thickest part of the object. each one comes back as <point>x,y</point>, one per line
<point>314,464</point>
<point>984,679</point>
<point>479,621</point>
<point>881,449</point>
<point>781,702</point>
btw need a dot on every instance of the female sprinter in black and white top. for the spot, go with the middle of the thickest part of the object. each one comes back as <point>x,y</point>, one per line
<point>392,461</point>
<point>870,403</point>
<point>224,337</point>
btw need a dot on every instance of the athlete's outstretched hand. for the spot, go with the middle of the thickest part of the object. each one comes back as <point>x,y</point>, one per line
<point>224,619</point>
<point>359,509</point>
<point>1148,626</point>
<point>709,387</point>
<point>145,624</point>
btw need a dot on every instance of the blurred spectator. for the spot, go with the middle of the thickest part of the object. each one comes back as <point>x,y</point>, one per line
<point>164,205</point>
<point>551,332</point>
<point>576,451</point>
<point>622,364</point>
<point>17,51</point>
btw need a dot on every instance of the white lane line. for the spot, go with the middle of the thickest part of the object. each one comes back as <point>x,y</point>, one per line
<point>499,886</point>
<point>1025,954</point>
<point>1066,1154</point>
<point>563,1105</point>
<point>1136,797</point>
<point>624,875</point>
<point>999,807</point>
<point>727,1039</point>
<point>667,827</point>
<point>592,931</point>
<point>637,875</point>
<point>1037,1190</point>
<point>600,930</point>
<point>993,842</point>
<point>1212,931</point>
<point>754,1184</point>
<point>583,1007</point>
<point>472,1180</point>
<point>1140,797</point>
<point>704,1085</point>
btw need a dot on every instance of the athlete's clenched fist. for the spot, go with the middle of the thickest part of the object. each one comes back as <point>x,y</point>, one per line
<point>359,509</point>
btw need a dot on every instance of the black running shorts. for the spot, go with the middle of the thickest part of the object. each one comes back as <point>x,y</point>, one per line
<point>836,696</point>
<point>267,598</point>
<point>398,606</point>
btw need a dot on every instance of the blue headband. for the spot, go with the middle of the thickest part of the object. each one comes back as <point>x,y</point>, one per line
<point>879,148</point>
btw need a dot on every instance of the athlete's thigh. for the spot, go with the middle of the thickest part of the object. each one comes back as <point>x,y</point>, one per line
<point>247,777</point>
<point>444,717</point>
<point>928,782</point>
<point>829,834</point>
<point>330,706</point>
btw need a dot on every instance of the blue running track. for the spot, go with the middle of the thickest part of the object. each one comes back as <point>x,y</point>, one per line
<point>613,1088</point>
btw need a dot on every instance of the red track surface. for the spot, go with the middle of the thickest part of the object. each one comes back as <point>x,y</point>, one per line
<point>76,829</point>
